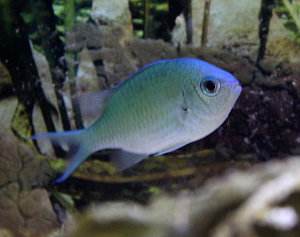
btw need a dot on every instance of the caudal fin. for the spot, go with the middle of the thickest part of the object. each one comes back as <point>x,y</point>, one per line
<point>77,149</point>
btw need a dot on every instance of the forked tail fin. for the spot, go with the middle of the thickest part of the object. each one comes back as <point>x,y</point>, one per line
<point>77,149</point>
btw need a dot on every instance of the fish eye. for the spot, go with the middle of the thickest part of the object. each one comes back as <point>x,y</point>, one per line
<point>210,87</point>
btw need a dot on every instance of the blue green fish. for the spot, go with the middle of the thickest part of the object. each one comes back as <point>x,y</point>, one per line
<point>162,107</point>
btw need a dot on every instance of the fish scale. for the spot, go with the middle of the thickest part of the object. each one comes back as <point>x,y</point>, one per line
<point>149,107</point>
<point>161,108</point>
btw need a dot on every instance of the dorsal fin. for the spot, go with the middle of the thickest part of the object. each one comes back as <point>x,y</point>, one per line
<point>92,104</point>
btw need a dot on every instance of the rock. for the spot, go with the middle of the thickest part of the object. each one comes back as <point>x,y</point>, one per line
<point>45,75</point>
<point>86,78</point>
<point>240,37</point>
<point>179,32</point>
<point>25,209</point>
<point>223,29</point>
<point>113,12</point>
<point>30,214</point>
<point>146,51</point>
<point>117,63</point>
<point>7,109</point>
<point>107,50</point>
<point>39,216</point>
<point>84,35</point>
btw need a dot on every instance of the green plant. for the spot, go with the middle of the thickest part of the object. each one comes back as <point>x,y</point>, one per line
<point>148,17</point>
<point>289,13</point>
<point>82,12</point>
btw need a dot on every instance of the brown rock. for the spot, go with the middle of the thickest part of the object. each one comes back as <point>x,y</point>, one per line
<point>115,13</point>
<point>24,210</point>
<point>146,51</point>
<point>37,212</point>
<point>223,28</point>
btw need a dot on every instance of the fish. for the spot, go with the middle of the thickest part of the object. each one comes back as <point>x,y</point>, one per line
<point>159,109</point>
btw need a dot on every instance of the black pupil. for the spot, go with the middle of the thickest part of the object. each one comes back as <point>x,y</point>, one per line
<point>210,86</point>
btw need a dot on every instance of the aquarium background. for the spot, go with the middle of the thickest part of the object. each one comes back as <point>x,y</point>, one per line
<point>242,180</point>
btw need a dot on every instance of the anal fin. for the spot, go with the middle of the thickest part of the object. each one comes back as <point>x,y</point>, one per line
<point>124,159</point>
<point>171,148</point>
<point>77,156</point>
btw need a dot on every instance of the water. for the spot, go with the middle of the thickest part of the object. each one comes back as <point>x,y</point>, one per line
<point>51,53</point>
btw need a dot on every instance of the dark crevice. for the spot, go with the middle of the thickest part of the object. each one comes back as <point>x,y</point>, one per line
<point>98,62</point>
<point>99,65</point>
<point>6,91</point>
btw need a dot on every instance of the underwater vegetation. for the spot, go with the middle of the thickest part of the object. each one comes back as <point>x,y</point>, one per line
<point>149,78</point>
<point>289,12</point>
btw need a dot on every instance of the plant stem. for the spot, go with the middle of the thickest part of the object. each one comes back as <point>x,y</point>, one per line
<point>16,55</point>
<point>71,58</point>
<point>146,18</point>
<point>54,51</point>
<point>205,23</point>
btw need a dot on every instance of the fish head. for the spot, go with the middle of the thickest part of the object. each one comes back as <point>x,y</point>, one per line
<point>216,91</point>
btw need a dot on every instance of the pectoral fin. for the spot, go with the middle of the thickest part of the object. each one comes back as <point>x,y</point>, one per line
<point>124,160</point>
